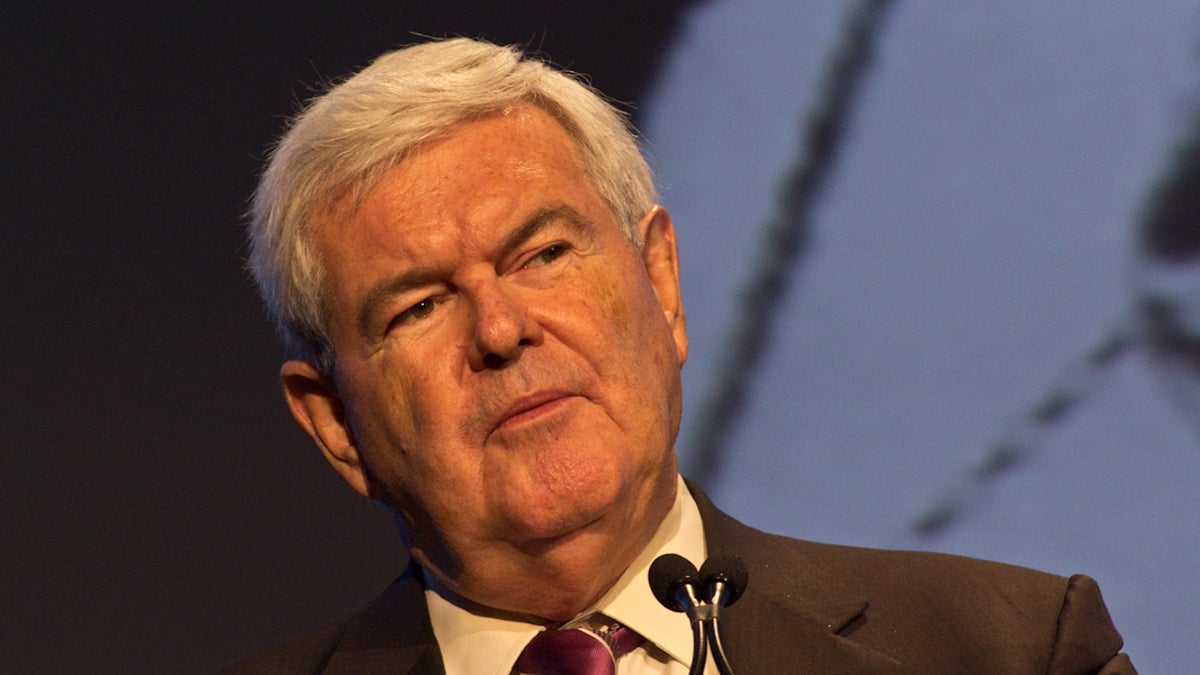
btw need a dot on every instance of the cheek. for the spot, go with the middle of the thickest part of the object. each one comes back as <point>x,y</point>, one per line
<point>387,415</point>
<point>636,316</point>
<point>618,298</point>
<point>642,353</point>
<point>417,385</point>
<point>406,448</point>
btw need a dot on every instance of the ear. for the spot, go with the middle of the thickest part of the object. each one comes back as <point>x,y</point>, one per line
<point>661,257</point>
<point>317,407</point>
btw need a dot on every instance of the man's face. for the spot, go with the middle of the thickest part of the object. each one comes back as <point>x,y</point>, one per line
<point>507,362</point>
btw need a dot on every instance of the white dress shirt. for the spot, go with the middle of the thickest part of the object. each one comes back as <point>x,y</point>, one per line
<point>484,645</point>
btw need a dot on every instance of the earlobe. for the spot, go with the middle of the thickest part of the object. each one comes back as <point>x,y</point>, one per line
<point>317,407</point>
<point>661,257</point>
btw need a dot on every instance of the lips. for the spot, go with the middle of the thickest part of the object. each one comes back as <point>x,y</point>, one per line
<point>529,408</point>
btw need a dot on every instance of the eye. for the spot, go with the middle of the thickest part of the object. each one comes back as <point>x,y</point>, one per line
<point>417,312</point>
<point>548,255</point>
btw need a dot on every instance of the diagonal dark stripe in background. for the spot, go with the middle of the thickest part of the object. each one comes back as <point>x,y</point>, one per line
<point>786,235</point>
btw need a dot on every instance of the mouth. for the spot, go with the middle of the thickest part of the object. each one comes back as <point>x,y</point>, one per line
<point>532,408</point>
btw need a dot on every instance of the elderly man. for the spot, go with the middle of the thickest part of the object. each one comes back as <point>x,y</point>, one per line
<point>481,301</point>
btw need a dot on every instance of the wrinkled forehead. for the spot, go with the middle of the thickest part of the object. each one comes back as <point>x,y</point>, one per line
<point>343,200</point>
<point>487,160</point>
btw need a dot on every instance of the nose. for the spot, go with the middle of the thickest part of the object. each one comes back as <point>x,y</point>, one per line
<point>502,327</point>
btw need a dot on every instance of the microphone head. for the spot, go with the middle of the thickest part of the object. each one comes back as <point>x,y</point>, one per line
<point>667,573</point>
<point>729,569</point>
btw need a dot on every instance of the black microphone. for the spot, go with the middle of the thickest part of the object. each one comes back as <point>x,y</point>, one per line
<point>675,583</point>
<point>724,577</point>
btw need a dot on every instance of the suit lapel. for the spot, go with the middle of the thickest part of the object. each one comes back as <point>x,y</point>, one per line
<point>791,614</point>
<point>390,635</point>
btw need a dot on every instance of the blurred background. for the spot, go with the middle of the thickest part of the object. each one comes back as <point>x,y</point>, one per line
<point>941,265</point>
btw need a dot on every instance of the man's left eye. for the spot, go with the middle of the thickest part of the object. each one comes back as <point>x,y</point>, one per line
<point>547,255</point>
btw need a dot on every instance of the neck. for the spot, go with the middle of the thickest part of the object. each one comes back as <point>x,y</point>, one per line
<point>554,580</point>
<point>549,582</point>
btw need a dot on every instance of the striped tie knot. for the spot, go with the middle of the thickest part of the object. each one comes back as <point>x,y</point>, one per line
<point>575,651</point>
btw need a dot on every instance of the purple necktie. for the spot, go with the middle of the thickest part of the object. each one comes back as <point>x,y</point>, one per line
<point>576,652</point>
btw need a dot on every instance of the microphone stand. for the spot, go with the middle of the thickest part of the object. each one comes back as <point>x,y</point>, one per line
<point>720,597</point>
<point>700,614</point>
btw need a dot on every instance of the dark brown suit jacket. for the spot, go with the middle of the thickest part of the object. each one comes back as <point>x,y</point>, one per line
<point>809,608</point>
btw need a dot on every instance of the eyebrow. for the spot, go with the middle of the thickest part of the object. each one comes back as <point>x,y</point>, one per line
<point>426,274</point>
<point>543,218</point>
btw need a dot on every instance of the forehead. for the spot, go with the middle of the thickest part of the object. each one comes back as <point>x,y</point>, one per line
<point>476,176</point>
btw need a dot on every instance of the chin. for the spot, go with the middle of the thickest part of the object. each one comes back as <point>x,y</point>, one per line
<point>574,478</point>
<point>559,516</point>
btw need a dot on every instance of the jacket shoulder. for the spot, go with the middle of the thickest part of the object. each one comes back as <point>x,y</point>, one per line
<point>390,634</point>
<point>934,612</point>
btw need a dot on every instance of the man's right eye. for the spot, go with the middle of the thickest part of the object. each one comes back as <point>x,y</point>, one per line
<point>417,312</point>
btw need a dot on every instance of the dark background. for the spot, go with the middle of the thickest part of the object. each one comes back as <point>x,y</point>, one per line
<point>161,512</point>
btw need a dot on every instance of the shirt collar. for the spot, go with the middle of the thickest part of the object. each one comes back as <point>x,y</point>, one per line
<point>630,601</point>
<point>487,645</point>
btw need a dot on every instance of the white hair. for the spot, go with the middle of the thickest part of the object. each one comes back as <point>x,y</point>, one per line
<point>340,145</point>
